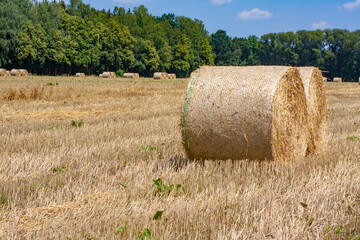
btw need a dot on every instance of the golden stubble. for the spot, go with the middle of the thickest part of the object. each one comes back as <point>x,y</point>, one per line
<point>59,181</point>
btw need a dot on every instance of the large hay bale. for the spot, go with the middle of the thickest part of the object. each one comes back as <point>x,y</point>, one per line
<point>245,113</point>
<point>317,111</point>
<point>80,75</point>
<point>15,72</point>
<point>3,72</point>
<point>337,79</point>
<point>24,72</point>
<point>131,75</point>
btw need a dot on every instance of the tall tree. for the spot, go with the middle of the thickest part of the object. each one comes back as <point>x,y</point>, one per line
<point>223,47</point>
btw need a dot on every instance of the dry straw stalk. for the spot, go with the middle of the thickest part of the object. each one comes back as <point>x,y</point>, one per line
<point>317,110</point>
<point>245,113</point>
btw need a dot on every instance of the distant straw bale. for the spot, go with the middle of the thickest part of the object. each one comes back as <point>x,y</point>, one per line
<point>317,111</point>
<point>15,72</point>
<point>245,113</point>
<point>337,79</point>
<point>3,72</point>
<point>161,75</point>
<point>8,73</point>
<point>158,75</point>
<point>80,75</point>
<point>108,75</point>
<point>131,75</point>
<point>172,76</point>
<point>24,72</point>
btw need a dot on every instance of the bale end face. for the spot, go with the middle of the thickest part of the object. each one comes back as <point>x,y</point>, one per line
<point>289,122</point>
<point>317,110</point>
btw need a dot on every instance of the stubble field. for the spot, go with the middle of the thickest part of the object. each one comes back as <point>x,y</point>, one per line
<point>79,156</point>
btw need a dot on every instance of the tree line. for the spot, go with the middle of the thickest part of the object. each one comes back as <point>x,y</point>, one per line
<point>51,37</point>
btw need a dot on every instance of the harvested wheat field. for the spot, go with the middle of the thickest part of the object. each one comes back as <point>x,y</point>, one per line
<point>99,158</point>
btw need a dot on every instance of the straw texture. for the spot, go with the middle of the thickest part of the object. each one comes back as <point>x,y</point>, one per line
<point>245,113</point>
<point>317,110</point>
<point>337,79</point>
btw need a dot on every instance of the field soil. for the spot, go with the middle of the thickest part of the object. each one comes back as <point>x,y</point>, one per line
<point>96,158</point>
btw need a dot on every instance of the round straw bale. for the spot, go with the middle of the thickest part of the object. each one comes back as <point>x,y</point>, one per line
<point>8,73</point>
<point>101,75</point>
<point>173,76</point>
<point>113,74</point>
<point>15,72</point>
<point>80,75</point>
<point>337,79</point>
<point>3,72</point>
<point>159,75</point>
<point>107,75</point>
<point>24,72</point>
<point>130,75</point>
<point>317,111</point>
<point>245,113</point>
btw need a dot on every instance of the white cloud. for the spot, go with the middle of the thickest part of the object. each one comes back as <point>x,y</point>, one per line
<point>320,25</point>
<point>254,14</point>
<point>351,5</point>
<point>220,2</point>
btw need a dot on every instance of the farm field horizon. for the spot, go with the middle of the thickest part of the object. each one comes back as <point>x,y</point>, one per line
<point>94,158</point>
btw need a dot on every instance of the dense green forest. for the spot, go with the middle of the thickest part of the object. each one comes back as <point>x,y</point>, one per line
<point>52,38</point>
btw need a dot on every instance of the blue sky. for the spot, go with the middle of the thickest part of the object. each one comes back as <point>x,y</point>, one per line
<point>241,18</point>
